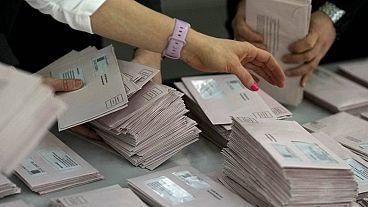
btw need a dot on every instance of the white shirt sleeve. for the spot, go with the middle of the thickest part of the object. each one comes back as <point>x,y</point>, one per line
<point>75,13</point>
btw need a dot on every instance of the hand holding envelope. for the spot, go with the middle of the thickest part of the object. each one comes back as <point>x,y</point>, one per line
<point>66,85</point>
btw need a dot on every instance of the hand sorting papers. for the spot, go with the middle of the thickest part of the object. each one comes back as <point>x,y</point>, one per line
<point>281,22</point>
<point>278,163</point>
<point>27,109</point>
<point>348,130</point>
<point>151,129</point>
<point>103,91</point>
<point>7,187</point>
<point>183,186</point>
<point>335,92</point>
<point>111,196</point>
<point>356,70</point>
<point>213,99</point>
<point>54,166</point>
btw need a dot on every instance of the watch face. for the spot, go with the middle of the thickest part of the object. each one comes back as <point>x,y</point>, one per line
<point>331,10</point>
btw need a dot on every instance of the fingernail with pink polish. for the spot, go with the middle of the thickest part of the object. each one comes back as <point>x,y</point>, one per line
<point>254,87</point>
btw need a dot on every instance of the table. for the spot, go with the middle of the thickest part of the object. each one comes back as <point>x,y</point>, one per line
<point>202,155</point>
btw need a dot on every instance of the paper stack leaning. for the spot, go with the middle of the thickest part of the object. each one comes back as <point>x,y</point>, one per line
<point>336,93</point>
<point>183,186</point>
<point>356,163</point>
<point>213,99</point>
<point>278,163</point>
<point>348,130</point>
<point>356,70</point>
<point>7,187</point>
<point>151,129</point>
<point>112,196</point>
<point>54,166</point>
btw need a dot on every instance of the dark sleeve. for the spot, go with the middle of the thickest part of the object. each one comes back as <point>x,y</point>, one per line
<point>231,6</point>
<point>351,7</point>
<point>152,4</point>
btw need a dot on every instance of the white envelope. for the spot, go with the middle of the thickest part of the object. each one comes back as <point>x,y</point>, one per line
<point>103,91</point>
<point>348,130</point>
<point>111,196</point>
<point>357,70</point>
<point>223,96</point>
<point>183,186</point>
<point>335,92</point>
<point>136,74</point>
<point>357,164</point>
<point>54,166</point>
<point>281,22</point>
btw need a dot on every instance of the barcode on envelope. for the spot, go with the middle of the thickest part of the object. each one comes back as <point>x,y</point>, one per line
<point>32,168</point>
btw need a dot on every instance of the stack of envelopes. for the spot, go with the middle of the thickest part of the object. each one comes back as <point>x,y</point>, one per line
<point>213,99</point>
<point>281,23</point>
<point>183,186</point>
<point>348,130</point>
<point>281,164</point>
<point>336,93</point>
<point>151,129</point>
<point>111,196</point>
<point>17,203</point>
<point>27,109</point>
<point>355,70</point>
<point>103,91</point>
<point>54,166</point>
<point>7,187</point>
<point>356,163</point>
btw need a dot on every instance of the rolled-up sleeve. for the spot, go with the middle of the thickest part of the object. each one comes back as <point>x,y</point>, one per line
<point>75,13</point>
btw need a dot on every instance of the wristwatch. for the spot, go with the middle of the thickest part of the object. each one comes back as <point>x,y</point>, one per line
<point>331,10</point>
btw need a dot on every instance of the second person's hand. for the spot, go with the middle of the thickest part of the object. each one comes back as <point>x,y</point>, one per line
<point>309,51</point>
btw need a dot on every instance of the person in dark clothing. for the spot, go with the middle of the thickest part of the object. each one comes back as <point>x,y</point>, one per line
<point>332,37</point>
<point>31,40</point>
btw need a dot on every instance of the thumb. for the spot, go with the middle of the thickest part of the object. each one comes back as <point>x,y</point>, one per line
<point>64,85</point>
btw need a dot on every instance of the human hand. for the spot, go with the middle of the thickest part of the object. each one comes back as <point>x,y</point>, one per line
<point>309,51</point>
<point>242,31</point>
<point>150,59</point>
<point>67,85</point>
<point>211,54</point>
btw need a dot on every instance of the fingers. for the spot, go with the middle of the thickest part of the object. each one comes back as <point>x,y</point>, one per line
<point>248,34</point>
<point>271,67</point>
<point>245,77</point>
<point>304,70</point>
<point>259,45</point>
<point>259,70</point>
<point>300,58</point>
<point>305,79</point>
<point>63,85</point>
<point>85,131</point>
<point>305,44</point>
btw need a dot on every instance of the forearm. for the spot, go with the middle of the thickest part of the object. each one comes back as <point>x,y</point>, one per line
<point>129,22</point>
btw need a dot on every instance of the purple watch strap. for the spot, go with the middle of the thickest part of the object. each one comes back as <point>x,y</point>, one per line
<point>177,40</point>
